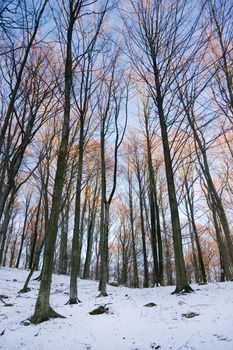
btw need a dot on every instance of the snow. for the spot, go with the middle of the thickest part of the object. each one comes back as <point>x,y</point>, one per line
<point>129,325</point>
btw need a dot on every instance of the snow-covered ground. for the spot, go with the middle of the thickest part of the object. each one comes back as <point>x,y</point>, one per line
<point>129,325</point>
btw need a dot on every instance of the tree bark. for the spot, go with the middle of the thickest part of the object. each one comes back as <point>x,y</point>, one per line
<point>43,310</point>
<point>181,278</point>
<point>143,233</point>
<point>135,266</point>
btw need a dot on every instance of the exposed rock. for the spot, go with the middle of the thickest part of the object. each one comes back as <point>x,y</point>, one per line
<point>26,322</point>
<point>150,305</point>
<point>190,315</point>
<point>100,310</point>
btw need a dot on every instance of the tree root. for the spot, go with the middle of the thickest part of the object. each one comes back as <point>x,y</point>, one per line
<point>4,303</point>
<point>25,290</point>
<point>42,317</point>
<point>102,295</point>
<point>38,278</point>
<point>184,290</point>
<point>73,301</point>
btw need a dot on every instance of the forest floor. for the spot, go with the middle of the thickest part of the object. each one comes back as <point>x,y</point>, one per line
<point>128,325</point>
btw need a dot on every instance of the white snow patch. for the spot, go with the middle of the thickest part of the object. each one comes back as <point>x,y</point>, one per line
<point>128,325</point>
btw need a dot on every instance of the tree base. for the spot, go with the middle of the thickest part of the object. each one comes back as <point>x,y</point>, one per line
<point>42,317</point>
<point>73,301</point>
<point>184,290</point>
<point>156,284</point>
<point>102,295</point>
<point>25,290</point>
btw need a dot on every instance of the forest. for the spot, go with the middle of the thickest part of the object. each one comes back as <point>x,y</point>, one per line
<point>116,144</point>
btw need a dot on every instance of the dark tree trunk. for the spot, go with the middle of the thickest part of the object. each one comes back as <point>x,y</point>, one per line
<point>12,256</point>
<point>224,260</point>
<point>63,242</point>
<point>18,156</point>
<point>195,262</point>
<point>90,233</point>
<point>215,198</point>
<point>143,233</point>
<point>160,243</point>
<point>43,310</point>
<point>82,228</point>
<point>135,265</point>
<point>5,225</point>
<point>25,288</point>
<point>154,214</point>
<point>75,254</point>
<point>194,233</point>
<point>167,250</point>
<point>181,278</point>
<point>35,233</point>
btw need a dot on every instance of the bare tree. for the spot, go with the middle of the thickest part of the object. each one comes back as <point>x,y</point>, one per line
<point>43,310</point>
<point>110,100</point>
<point>158,42</point>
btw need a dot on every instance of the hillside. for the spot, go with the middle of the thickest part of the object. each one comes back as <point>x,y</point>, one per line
<point>129,325</point>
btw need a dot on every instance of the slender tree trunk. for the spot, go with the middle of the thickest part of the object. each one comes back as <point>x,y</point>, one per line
<point>168,264</point>
<point>181,278</point>
<point>103,217</point>
<point>63,241</point>
<point>12,257</point>
<point>5,225</point>
<point>24,230</point>
<point>82,228</point>
<point>90,233</point>
<point>156,240</point>
<point>9,235</point>
<point>215,198</point>
<point>190,211</point>
<point>195,263</point>
<point>143,233</point>
<point>104,250</point>
<point>35,233</point>
<point>135,265</point>
<point>25,288</point>
<point>4,192</point>
<point>43,310</point>
<point>75,262</point>
<point>160,243</point>
<point>224,261</point>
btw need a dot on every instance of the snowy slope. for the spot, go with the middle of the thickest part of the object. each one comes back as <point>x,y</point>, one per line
<point>128,325</point>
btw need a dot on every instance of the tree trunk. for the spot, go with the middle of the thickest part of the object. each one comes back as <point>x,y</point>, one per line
<point>90,233</point>
<point>215,198</point>
<point>75,254</point>
<point>224,261</point>
<point>43,310</point>
<point>35,233</point>
<point>104,251</point>
<point>135,266</point>
<point>63,242</point>
<point>24,230</point>
<point>5,225</point>
<point>103,217</point>
<point>181,278</point>
<point>190,212</point>
<point>143,233</point>
<point>82,228</point>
